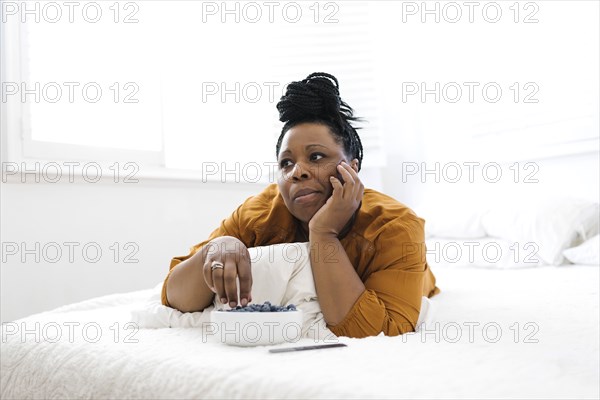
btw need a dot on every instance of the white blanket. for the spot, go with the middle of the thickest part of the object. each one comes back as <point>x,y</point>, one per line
<point>498,333</point>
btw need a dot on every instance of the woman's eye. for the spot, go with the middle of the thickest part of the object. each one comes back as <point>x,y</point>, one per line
<point>314,155</point>
<point>284,163</point>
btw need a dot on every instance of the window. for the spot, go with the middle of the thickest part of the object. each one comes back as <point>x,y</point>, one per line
<point>169,84</point>
<point>82,90</point>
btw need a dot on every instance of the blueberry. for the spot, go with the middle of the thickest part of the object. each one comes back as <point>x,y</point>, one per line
<point>265,307</point>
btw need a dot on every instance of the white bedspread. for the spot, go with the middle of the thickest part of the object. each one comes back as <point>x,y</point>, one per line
<point>548,348</point>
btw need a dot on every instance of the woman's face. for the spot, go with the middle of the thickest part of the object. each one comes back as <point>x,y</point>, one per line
<point>309,155</point>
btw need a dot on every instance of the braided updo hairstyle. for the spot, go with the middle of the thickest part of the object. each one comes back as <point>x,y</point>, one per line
<point>317,99</point>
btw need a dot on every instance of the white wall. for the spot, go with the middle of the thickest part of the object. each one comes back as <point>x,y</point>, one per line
<point>558,54</point>
<point>163,219</point>
<point>573,176</point>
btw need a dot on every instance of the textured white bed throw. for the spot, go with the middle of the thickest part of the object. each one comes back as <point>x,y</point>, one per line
<point>547,347</point>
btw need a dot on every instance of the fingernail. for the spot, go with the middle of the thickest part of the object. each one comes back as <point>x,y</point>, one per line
<point>223,300</point>
<point>232,304</point>
<point>244,302</point>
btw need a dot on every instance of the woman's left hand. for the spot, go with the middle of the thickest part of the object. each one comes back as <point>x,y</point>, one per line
<point>337,211</point>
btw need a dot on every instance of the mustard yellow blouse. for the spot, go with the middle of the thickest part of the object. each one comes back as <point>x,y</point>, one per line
<point>386,246</point>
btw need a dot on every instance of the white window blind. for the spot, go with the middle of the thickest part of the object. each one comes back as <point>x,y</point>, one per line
<point>343,47</point>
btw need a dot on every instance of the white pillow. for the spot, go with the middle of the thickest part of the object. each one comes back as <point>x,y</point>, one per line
<point>281,274</point>
<point>452,220</point>
<point>553,224</point>
<point>587,253</point>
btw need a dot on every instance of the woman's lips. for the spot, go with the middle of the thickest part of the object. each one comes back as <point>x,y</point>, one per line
<point>307,198</point>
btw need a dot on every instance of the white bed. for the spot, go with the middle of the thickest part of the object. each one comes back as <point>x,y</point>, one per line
<point>555,355</point>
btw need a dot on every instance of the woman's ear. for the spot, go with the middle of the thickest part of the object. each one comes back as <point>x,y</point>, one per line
<point>354,164</point>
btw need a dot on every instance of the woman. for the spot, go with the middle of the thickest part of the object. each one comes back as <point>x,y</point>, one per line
<point>367,250</point>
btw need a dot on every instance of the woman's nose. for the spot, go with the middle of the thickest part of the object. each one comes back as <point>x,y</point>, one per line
<point>300,172</point>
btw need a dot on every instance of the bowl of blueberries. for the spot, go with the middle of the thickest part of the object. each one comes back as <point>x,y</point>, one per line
<point>257,324</point>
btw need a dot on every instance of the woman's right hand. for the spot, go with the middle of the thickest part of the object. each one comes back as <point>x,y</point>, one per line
<point>235,258</point>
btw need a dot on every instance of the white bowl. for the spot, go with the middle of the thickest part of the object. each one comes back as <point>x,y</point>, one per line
<point>256,328</point>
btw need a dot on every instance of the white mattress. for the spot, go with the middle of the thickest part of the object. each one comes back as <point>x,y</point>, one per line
<point>560,304</point>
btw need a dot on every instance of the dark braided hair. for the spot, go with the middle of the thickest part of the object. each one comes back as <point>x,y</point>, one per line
<point>316,99</point>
